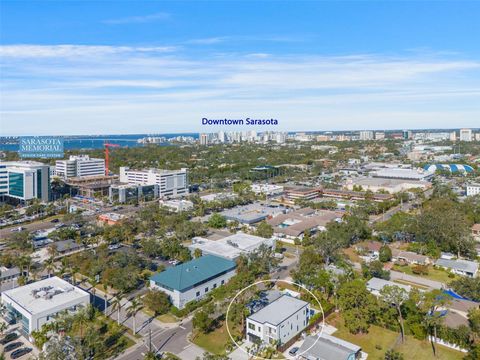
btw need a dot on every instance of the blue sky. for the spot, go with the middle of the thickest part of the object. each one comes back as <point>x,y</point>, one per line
<point>90,67</point>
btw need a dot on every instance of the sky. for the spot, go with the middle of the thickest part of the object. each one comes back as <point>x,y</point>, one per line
<point>113,67</point>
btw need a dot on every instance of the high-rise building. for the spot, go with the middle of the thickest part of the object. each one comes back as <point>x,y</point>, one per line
<point>465,134</point>
<point>3,180</point>
<point>280,138</point>
<point>366,135</point>
<point>25,180</point>
<point>407,135</point>
<point>79,166</point>
<point>221,136</point>
<point>453,136</point>
<point>203,139</point>
<point>170,182</point>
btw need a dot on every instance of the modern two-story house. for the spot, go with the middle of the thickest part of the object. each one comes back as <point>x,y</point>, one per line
<point>279,321</point>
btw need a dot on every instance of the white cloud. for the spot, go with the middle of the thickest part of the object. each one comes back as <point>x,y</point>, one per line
<point>82,89</point>
<point>74,51</point>
<point>160,16</point>
<point>208,41</point>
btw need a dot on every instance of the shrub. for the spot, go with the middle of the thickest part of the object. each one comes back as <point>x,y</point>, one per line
<point>420,269</point>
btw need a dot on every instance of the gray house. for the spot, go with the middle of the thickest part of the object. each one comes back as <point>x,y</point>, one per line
<point>460,267</point>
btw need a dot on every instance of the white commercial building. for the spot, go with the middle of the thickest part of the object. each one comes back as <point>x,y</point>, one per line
<point>267,189</point>
<point>392,186</point>
<point>37,304</point>
<point>79,166</point>
<point>25,180</point>
<point>194,279</point>
<point>366,135</point>
<point>403,173</point>
<point>171,182</point>
<point>3,179</point>
<point>473,189</point>
<point>177,205</point>
<point>231,247</point>
<point>466,135</point>
<point>279,321</point>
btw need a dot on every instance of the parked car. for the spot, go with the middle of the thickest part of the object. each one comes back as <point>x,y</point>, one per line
<point>293,351</point>
<point>20,352</point>
<point>55,220</point>
<point>10,337</point>
<point>13,346</point>
<point>114,246</point>
<point>17,229</point>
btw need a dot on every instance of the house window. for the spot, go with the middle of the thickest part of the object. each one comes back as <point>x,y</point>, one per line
<point>198,293</point>
<point>214,286</point>
<point>251,326</point>
<point>223,282</point>
<point>206,289</point>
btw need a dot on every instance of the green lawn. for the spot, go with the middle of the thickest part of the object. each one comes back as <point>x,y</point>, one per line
<point>433,274</point>
<point>214,341</point>
<point>167,318</point>
<point>379,340</point>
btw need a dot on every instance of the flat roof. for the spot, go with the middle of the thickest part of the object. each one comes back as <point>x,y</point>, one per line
<point>229,247</point>
<point>413,174</point>
<point>45,294</point>
<point>327,347</point>
<point>387,182</point>
<point>191,273</point>
<point>251,213</point>
<point>279,310</point>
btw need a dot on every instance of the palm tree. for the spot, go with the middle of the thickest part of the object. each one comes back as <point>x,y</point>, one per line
<point>82,319</point>
<point>105,287</point>
<point>117,305</point>
<point>75,269</point>
<point>49,266</point>
<point>52,251</point>
<point>133,309</point>
<point>35,270</point>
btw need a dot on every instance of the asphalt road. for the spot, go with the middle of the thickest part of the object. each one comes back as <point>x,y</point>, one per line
<point>171,339</point>
<point>432,284</point>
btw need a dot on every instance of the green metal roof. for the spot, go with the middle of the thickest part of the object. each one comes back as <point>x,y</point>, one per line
<point>195,272</point>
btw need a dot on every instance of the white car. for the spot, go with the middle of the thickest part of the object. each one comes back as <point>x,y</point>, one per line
<point>114,246</point>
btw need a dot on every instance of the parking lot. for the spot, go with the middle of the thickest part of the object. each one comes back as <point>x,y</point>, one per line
<point>16,344</point>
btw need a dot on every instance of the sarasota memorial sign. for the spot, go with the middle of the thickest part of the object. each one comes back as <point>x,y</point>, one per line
<point>43,147</point>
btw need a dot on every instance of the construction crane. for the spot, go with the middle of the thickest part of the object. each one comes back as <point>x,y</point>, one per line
<point>107,145</point>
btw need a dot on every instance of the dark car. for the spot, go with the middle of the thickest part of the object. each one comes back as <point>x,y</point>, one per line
<point>55,221</point>
<point>8,338</point>
<point>13,346</point>
<point>293,350</point>
<point>20,352</point>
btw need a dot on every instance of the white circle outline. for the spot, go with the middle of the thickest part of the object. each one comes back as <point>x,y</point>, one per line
<point>273,281</point>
